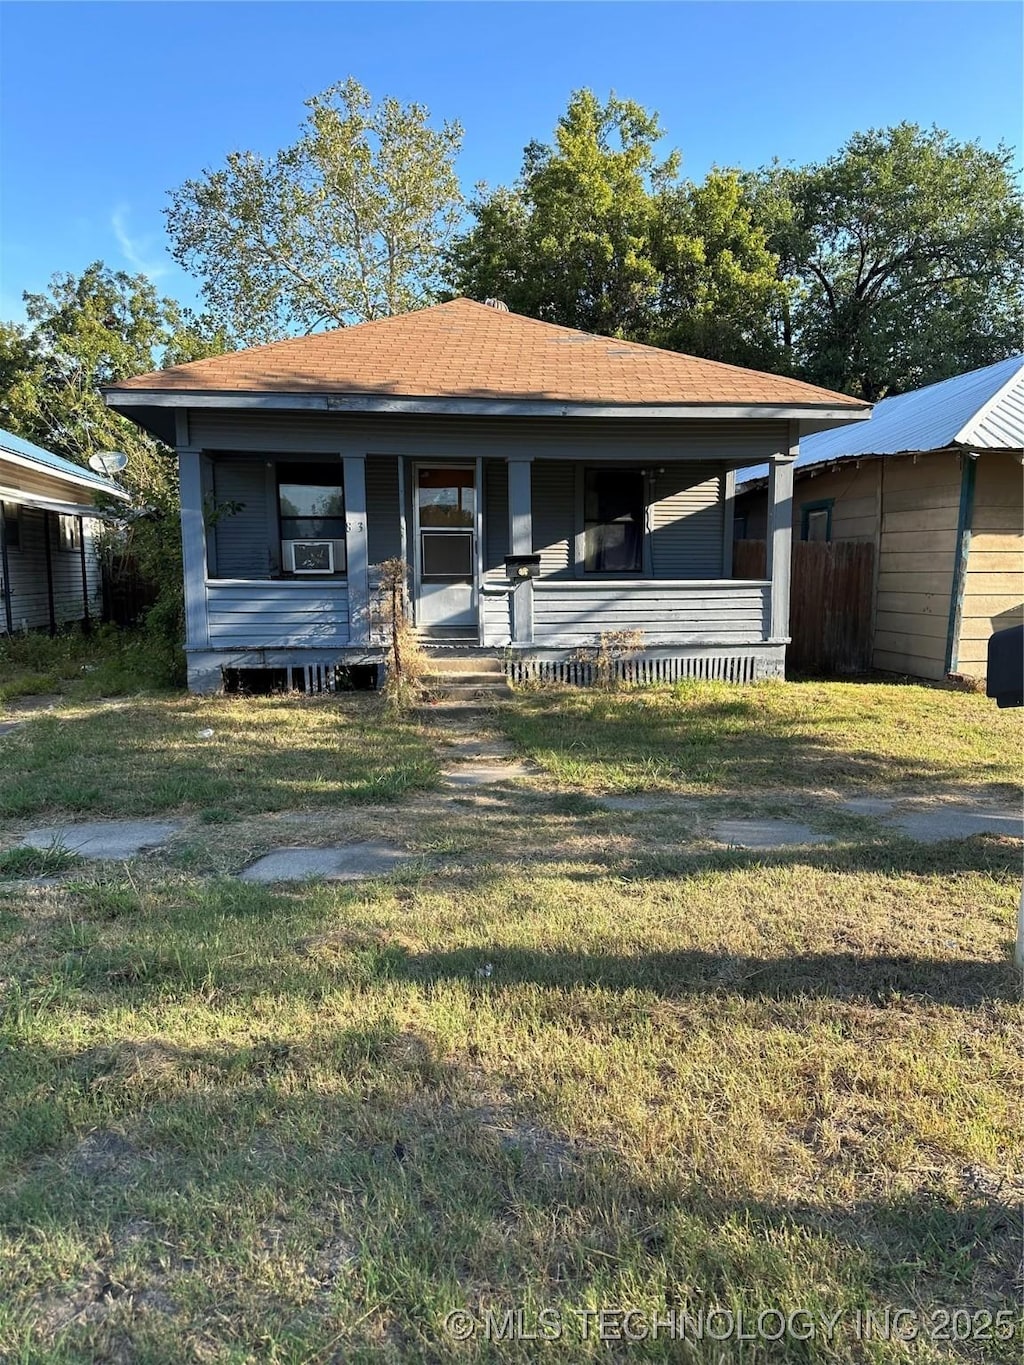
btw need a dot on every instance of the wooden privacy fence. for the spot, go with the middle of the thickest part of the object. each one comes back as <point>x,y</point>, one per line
<point>830,602</point>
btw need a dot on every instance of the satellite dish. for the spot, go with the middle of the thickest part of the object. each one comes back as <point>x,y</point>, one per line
<point>109,462</point>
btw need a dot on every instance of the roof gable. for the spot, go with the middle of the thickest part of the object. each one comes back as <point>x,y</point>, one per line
<point>467,350</point>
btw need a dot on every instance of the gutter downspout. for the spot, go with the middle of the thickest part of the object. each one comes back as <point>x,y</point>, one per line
<point>963,549</point>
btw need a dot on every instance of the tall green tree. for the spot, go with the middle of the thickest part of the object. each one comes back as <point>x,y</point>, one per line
<point>908,247</point>
<point>346,225</point>
<point>599,232</point>
<point>571,241</point>
<point>721,293</point>
<point>83,332</point>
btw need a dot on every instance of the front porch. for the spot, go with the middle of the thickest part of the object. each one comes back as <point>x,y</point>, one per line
<point>536,561</point>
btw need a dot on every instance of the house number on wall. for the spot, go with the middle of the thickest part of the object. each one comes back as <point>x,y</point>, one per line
<point>353,525</point>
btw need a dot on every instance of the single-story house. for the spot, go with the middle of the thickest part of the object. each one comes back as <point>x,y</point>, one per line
<point>935,482</point>
<point>545,487</point>
<point>49,572</point>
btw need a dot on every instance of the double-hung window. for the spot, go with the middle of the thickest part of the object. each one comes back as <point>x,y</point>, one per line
<point>613,520</point>
<point>311,509</point>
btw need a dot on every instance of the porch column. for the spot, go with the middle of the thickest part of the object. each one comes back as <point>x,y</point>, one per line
<point>520,540</point>
<point>355,550</point>
<point>193,548</point>
<point>779,542</point>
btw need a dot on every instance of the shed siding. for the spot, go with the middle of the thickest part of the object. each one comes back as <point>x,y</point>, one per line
<point>994,584</point>
<point>27,566</point>
<point>920,511</point>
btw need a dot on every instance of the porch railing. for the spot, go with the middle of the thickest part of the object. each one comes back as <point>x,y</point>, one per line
<point>269,613</point>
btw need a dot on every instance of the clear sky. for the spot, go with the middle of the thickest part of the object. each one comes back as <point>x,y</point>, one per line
<point>105,107</point>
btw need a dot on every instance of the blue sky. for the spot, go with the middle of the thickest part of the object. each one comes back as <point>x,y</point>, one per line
<point>104,107</point>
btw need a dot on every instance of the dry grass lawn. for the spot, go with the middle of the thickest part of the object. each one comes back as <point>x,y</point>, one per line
<point>567,1059</point>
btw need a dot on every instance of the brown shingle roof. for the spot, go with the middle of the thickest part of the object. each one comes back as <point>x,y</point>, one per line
<point>465,350</point>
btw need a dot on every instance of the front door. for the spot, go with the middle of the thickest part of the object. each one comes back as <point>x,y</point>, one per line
<point>445,528</point>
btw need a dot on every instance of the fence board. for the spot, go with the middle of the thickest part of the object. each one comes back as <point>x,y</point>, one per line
<point>830,604</point>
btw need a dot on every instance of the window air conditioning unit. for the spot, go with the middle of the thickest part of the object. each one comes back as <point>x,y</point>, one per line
<point>308,556</point>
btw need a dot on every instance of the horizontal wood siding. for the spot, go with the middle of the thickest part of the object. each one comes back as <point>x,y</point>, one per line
<point>383,531</point>
<point>664,613</point>
<point>275,614</point>
<point>854,491</point>
<point>495,517</point>
<point>685,521</point>
<point>740,443</point>
<point>496,614</point>
<point>994,585</point>
<point>920,510</point>
<point>241,536</point>
<point>27,566</point>
<point>554,517</point>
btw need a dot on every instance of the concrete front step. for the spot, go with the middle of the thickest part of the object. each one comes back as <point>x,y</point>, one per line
<point>470,692</point>
<point>464,677</point>
<point>443,663</point>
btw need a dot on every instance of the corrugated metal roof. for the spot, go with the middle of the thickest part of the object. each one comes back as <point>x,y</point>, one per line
<point>17,445</point>
<point>983,409</point>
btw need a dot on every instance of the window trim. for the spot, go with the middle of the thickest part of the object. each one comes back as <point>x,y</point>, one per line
<point>613,575</point>
<point>285,472</point>
<point>821,505</point>
<point>9,521</point>
<point>65,543</point>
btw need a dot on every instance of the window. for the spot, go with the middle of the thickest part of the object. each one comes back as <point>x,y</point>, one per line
<point>65,531</point>
<point>816,520</point>
<point>311,507</point>
<point>11,513</point>
<point>613,520</point>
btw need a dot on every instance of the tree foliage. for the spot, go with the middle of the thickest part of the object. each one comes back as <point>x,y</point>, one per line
<point>908,249</point>
<point>346,225</point>
<point>571,241</point>
<point>600,233</point>
<point>84,332</point>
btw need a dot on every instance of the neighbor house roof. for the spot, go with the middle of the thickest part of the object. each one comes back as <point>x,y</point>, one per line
<point>24,453</point>
<point>472,351</point>
<point>982,410</point>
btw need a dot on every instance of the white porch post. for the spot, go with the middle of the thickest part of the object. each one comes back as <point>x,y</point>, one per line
<point>779,540</point>
<point>193,548</point>
<point>520,540</point>
<point>355,549</point>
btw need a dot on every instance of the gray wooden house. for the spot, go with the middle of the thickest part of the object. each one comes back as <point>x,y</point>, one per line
<point>49,572</point>
<point>545,487</point>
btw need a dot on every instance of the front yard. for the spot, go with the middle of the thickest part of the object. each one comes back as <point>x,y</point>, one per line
<point>569,1058</point>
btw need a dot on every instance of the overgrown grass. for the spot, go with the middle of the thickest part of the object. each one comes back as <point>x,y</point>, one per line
<point>104,663</point>
<point>151,756</point>
<point>715,737</point>
<point>571,1059</point>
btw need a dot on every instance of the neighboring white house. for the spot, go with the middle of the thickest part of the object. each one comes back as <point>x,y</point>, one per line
<point>49,572</point>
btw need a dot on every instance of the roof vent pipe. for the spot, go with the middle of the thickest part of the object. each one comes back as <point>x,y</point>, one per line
<point>496,303</point>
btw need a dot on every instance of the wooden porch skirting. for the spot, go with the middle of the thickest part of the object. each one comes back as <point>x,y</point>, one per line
<point>736,664</point>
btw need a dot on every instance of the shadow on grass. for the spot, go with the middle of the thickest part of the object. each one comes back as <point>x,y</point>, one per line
<point>751,741</point>
<point>376,1166</point>
<point>148,757</point>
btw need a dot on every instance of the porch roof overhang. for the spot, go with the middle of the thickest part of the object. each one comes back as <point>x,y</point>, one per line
<point>43,503</point>
<point>155,409</point>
